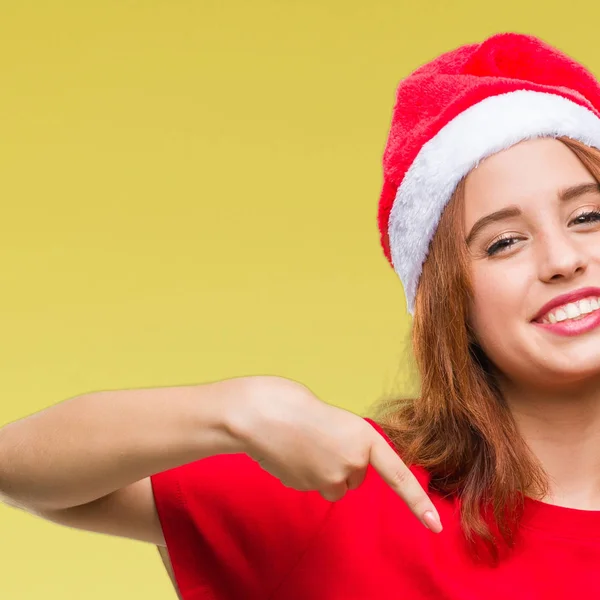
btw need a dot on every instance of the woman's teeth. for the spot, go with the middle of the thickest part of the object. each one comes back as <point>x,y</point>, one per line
<point>573,310</point>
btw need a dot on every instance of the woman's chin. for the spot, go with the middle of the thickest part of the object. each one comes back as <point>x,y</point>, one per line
<point>562,374</point>
<point>542,361</point>
<point>552,370</point>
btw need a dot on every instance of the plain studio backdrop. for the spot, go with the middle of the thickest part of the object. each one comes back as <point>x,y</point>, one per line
<point>189,192</point>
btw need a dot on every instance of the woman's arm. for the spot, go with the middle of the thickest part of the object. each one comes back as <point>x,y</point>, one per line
<point>85,448</point>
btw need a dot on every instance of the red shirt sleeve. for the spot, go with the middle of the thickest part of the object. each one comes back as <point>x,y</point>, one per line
<point>233,530</point>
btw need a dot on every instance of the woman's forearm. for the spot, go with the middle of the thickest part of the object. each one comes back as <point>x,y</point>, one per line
<point>89,446</point>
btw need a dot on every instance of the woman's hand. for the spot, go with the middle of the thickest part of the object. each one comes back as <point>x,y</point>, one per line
<point>311,445</point>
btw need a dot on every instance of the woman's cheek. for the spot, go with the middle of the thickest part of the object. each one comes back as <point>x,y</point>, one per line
<point>493,302</point>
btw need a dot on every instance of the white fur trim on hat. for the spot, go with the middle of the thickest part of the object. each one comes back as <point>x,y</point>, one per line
<point>494,124</point>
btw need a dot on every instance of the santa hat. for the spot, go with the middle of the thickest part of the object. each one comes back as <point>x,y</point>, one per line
<point>460,108</point>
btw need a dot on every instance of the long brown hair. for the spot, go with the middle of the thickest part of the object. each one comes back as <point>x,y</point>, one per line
<point>459,428</point>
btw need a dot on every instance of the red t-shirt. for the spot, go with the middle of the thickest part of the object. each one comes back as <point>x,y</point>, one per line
<point>234,532</point>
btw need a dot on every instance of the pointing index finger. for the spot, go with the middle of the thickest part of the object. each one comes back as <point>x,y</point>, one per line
<point>400,478</point>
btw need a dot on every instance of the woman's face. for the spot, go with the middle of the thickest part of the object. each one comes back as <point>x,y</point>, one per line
<point>532,220</point>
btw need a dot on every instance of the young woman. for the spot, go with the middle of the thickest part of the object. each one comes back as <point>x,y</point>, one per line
<point>485,486</point>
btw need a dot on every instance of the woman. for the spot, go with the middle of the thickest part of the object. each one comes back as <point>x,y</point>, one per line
<point>490,215</point>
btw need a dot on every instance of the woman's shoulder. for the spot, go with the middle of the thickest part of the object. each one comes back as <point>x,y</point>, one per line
<point>231,527</point>
<point>228,506</point>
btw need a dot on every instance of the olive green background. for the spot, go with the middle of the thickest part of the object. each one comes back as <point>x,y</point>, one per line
<point>189,192</point>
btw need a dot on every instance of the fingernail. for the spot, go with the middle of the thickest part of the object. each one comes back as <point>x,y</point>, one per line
<point>432,521</point>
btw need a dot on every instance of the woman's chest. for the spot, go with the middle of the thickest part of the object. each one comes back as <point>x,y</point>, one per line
<point>393,566</point>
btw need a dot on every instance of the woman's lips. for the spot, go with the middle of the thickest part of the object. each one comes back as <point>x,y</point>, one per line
<point>571,327</point>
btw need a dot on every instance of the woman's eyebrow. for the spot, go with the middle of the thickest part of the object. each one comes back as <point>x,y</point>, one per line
<point>579,190</point>
<point>499,215</point>
<point>569,193</point>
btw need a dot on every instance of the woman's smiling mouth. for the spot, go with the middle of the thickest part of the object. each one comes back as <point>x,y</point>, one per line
<point>572,310</point>
<point>571,314</point>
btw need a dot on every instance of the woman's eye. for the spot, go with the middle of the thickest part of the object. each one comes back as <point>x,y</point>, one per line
<point>501,245</point>
<point>592,216</point>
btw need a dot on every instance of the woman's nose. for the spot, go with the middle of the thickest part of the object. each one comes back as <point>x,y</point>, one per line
<point>561,257</point>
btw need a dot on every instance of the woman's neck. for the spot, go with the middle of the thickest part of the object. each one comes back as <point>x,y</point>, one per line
<point>562,428</point>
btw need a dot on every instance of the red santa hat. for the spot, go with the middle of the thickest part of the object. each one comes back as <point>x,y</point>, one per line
<point>460,108</point>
